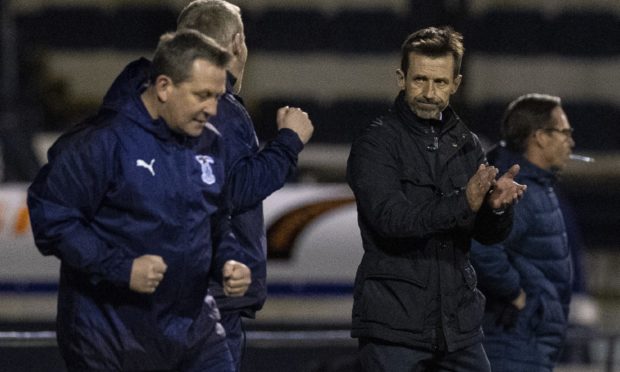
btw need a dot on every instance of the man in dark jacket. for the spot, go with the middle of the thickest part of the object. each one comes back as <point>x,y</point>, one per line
<point>253,173</point>
<point>527,278</point>
<point>131,203</point>
<point>423,190</point>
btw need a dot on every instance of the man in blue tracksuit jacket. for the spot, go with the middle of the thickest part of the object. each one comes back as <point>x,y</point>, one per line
<point>527,278</point>
<point>253,173</point>
<point>132,203</point>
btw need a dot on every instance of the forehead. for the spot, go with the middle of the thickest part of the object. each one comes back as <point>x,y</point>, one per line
<point>205,75</point>
<point>431,65</point>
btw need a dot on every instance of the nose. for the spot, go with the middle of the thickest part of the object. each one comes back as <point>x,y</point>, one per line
<point>210,107</point>
<point>428,91</point>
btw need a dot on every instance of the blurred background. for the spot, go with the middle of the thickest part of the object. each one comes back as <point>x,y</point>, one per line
<point>337,60</point>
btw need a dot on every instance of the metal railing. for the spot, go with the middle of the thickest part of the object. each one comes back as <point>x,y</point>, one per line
<point>337,338</point>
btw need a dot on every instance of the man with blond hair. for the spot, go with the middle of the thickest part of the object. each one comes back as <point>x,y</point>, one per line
<point>253,173</point>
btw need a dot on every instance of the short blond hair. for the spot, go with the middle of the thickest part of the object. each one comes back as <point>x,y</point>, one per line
<point>218,19</point>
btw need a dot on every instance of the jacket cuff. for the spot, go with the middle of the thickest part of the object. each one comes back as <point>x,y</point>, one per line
<point>290,139</point>
<point>117,270</point>
<point>466,218</point>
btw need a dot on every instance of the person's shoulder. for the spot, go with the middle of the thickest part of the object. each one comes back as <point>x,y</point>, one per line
<point>231,115</point>
<point>97,130</point>
<point>384,125</point>
<point>382,133</point>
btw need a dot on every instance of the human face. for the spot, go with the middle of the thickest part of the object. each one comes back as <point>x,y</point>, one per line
<point>428,84</point>
<point>559,142</point>
<point>188,105</point>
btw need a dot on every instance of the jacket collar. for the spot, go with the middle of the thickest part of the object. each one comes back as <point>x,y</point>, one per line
<point>230,82</point>
<point>230,86</point>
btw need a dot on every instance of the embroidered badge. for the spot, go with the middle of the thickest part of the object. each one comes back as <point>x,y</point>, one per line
<point>205,165</point>
<point>149,166</point>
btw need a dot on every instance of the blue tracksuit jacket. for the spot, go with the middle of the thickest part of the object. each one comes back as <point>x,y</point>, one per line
<point>535,257</point>
<point>119,186</point>
<point>253,174</point>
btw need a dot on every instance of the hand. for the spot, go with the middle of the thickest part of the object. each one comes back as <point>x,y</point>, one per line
<point>237,278</point>
<point>520,301</point>
<point>505,190</point>
<point>146,273</point>
<point>297,120</point>
<point>479,185</point>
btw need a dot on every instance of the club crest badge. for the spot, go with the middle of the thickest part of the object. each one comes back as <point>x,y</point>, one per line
<point>205,165</point>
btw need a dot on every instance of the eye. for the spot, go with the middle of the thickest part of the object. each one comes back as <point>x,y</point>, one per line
<point>204,96</point>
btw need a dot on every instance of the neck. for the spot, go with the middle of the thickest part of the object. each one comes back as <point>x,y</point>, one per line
<point>237,73</point>
<point>536,158</point>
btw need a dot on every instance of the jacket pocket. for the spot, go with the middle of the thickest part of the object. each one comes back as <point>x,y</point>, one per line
<point>471,306</point>
<point>394,294</point>
<point>547,317</point>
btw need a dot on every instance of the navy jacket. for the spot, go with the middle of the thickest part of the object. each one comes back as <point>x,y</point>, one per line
<point>116,187</point>
<point>415,285</point>
<point>535,257</point>
<point>253,174</point>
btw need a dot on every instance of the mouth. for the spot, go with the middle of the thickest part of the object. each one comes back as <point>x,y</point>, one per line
<point>427,105</point>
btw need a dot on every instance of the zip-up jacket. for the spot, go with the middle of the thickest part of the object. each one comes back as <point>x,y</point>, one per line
<point>415,285</point>
<point>534,257</point>
<point>117,187</point>
<point>253,174</point>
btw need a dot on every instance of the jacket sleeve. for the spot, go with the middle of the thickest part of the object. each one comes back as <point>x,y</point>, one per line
<point>253,177</point>
<point>376,180</point>
<point>62,201</point>
<point>225,244</point>
<point>490,227</point>
<point>497,276</point>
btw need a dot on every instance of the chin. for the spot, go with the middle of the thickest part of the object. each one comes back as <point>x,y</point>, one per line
<point>427,114</point>
<point>194,133</point>
<point>557,168</point>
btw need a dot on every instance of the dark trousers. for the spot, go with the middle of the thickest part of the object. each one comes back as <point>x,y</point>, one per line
<point>212,355</point>
<point>378,356</point>
<point>234,336</point>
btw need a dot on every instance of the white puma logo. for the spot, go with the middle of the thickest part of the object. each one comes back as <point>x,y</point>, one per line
<point>143,164</point>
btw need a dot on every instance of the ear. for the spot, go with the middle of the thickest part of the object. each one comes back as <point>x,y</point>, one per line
<point>163,87</point>
<point>236,44</point>
<point>400,77</point>
<point>540,138</point>
<point>457,84</point>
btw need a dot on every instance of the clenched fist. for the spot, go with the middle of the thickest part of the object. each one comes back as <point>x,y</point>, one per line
<point>146,273</point>
<point>237,278</point>
<point>296,120</point>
